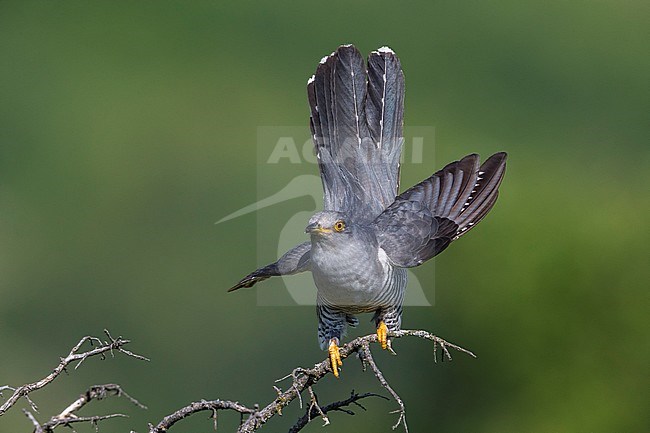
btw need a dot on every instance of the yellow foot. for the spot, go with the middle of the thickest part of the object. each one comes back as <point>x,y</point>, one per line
<point>335,357</point>
<point>382,334</point>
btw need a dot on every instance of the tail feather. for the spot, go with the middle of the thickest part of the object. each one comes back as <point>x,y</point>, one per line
<point>356,123</point>
<point>385,103</point>
<point>385,116</point>
<point>349,73</point>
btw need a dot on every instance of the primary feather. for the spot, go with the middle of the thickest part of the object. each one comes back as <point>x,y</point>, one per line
<point>427,217</point>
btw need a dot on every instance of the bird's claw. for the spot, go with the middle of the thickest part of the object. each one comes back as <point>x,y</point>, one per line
<point>335,357</point>
<point>389,347</point>
<point>382,335</point>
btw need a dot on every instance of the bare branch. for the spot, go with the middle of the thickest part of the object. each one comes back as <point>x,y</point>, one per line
<point>251,418</point>
<point>200,406</point>
<point>68,416</point>
<point>335,406</point>
<point>303,379</point>
<point>111,345</point>
<point>369,360</point>
<point>37,425</point>
<point>52,424</point>
<point>313,406</point>
<point>97,392</point>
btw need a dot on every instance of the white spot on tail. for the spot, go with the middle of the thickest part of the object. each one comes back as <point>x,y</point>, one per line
<point>385,49</point>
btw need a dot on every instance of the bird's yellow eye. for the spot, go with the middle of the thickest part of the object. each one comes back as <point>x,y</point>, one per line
<point>339,226</point>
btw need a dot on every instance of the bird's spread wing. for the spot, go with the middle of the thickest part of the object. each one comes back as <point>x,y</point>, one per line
<point>426,218</point>
<point>356,123</point>
<point>292,262</point>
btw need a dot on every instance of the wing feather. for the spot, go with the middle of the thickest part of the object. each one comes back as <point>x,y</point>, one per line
<point>486,191</point>
<point>426,218</point>
<point>296,260</point>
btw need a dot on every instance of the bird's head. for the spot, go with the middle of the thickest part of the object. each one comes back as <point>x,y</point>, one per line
<point>328,224</point>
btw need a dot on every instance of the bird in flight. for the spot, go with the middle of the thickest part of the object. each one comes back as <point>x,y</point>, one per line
<point>367,235</point>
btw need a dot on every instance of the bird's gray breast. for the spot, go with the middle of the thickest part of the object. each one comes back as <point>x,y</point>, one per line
<point>351,275</point>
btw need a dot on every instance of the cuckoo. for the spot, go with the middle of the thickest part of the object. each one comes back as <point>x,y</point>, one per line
<point>367,235</point>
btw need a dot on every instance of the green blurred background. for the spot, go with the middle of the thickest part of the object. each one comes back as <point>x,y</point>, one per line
<point>128,128</point>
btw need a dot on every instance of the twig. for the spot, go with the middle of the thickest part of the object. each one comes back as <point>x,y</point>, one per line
<point>335,406</point>
<point>37,425</point>
<point>199,406</point>
<point>54,423</point>
<point>97,392</point>
<point>68,417</point>
<point>369,360</point>
<point>313,406</point>
<point>110,345</point>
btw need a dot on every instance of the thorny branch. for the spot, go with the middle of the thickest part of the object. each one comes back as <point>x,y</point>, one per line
<point>110,345</point>
<point>303,379</point>
<point>52,424</point>
<point>251,418</point>
<point>68,416</point>
<point>315,411</point>
<point>97,392</point>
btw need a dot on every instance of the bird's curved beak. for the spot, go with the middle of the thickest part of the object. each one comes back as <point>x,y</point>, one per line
<point>316,228</point>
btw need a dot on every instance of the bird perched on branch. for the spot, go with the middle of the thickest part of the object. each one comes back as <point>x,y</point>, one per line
<point>367,235</point>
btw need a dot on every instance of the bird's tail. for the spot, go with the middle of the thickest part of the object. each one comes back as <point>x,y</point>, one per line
<point>356,122</point>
